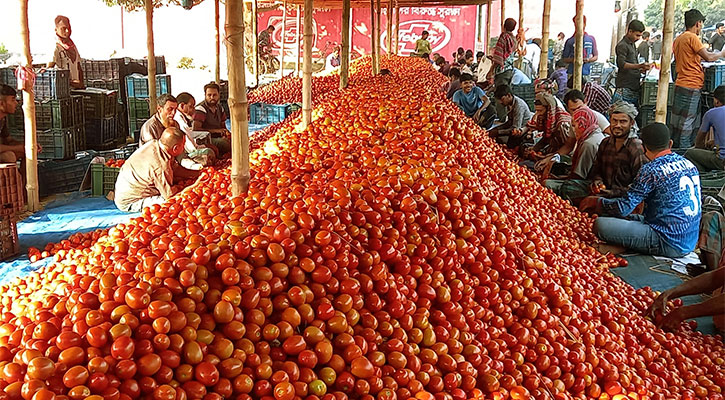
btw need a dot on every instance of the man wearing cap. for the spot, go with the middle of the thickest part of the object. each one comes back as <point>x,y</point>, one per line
<point>689,53</point>
<point>670,187</point>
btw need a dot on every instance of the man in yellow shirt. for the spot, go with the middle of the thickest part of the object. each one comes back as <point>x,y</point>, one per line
<point>422,46</point>
<point>689,53</point>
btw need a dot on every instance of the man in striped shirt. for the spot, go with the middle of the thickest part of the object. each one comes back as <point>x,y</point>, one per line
<point>669,185</point>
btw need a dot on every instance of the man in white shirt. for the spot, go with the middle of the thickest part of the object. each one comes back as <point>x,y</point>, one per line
<point>533,54</point>
<point>196,155</point>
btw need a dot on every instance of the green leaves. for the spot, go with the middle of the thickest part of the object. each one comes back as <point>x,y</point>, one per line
<point>137,5</point>
<point>714,10</point>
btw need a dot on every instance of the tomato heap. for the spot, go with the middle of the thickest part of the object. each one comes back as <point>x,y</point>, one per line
<point>388,251</point>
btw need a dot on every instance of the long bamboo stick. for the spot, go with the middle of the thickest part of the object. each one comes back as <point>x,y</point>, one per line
<point>544,61</point>
<point>284,33</point>
<point>151,70</point>
<point>31,141</point>
<point>307,66</point>
<point>397,29</point>
<point>255,41</point>
<point>234,29</point>
<point>345,46</point>
<point>489,15</point>
<point>663,85</point>
<point>377,35</point>
<point>372,37</point>
<point>217,69</point>
<point>579,44</point>
<point>389,28</point>
<point>503,14</point>
<point>520,61</point>
<point>299,41</point>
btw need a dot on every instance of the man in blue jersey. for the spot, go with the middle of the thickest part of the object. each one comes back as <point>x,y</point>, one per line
<point>669,185</point>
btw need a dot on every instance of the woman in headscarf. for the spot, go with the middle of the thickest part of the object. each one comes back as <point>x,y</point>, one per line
<point>554,124</point>
<point>66,53</point>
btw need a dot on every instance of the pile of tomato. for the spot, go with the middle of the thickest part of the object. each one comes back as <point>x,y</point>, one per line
<point>117,163</point>
<point>388,251</point>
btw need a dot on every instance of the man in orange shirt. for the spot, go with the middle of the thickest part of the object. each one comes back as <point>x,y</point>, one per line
<point>689,52</point>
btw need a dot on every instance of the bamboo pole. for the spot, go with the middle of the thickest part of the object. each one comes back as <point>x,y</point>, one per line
<point>372,37</point>
<point>397,29</point>
<point>217,70</point>
<point>520,61</point>
<point>31,141</point>
<point>503,15</point>
<point>389,27</point>
<point>345,45</point>
<point>284,33</point>
<point>579,44</point>
<point>544,61</point>
<point>234,40</point>
<point>664,83</point>
<point>377,35</point>
<point>489,15</point>
<point>307,66</point>
<point>299,41</point>
<point>255,41</point>
<point>151,70</point>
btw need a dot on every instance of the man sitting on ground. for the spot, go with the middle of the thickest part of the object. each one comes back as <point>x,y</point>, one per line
<point>444,67</point>
<point>670,187</point>
<point>210,117</point>
<point>164,118</point>
<point>146,177</point>
<point>518,115</point>
<point>10,149</point>
<point>595,96</point>
<point>196,153</point>
<point>711,156</point>
<point>472,99</point>
<point>574,100</point>
<point>455,76</point>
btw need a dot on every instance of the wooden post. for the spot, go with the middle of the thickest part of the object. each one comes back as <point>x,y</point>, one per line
<point>489,15</point>
<point>579,44</point>
<point>151,71</point>
<point>345,45</point>
<point>217,70</point>
<point>284,33</point>
<point>234,29</point>
<point>397,29</point>
<point>31,142</point>
<point>389,28</point>
<point>664,83</point>
<point>520,61</point>
<point>373,44</point>
<point>307,75</point>
<point>255,42</point>
<point>503,15</point>
<point>378,20</point>
<point>299,41</point>
<point>544,61</point>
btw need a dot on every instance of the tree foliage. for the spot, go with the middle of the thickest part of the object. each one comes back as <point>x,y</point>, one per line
<point>714,11</point>
<point>134,5</point>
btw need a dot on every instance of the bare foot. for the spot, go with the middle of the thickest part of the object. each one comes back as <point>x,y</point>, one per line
<point>605,248</point>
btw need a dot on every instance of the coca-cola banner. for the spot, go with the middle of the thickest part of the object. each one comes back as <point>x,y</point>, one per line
<point>449,28</point>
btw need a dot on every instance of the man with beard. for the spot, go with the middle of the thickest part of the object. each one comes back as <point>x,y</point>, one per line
<point>210,117</point>
<point>66,53</point>
<point>164,118</point>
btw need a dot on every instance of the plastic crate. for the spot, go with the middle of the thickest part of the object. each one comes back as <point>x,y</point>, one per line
<point>98,103</point>
<point>649,94</point>
<point>106,84</point>
<point>526,92</point>
<point>12,197</point>
<point>125,152</point>
<point>103,179</point>
<point>9,244</point>
<point>78,109</point>
<point>57,144</point>
<point>714,77</point>
<point>647,115</point>
<point>160,64</point>
<point>134,127</point>
<point>262,113</point>
<point>16,121</point>
<point>62,176</point>
<point>137,85</point>
<point>51,114</point>
<point>52,84</point>
<point>7,76</point>
<point>79,137</point>
<point>101,133</point>
<point>138,108</point>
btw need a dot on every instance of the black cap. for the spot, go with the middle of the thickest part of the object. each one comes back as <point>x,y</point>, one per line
<point>656,136</point>
<point>692,17</point>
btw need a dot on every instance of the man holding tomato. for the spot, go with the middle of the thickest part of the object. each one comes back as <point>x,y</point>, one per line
<point>669,185</point>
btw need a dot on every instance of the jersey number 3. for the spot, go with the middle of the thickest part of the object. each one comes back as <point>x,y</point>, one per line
<point>692,185</point>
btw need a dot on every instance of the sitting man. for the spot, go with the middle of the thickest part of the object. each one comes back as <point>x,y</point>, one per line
<point>146,177</point>
<point>196,153</point>
<point>595,96</point>
<point>210,117</point>
<point>670,187</point>
<point>472,100</point>
<point>10,149</point>
<point>454,75</point>
<point>711,156</point>
<point>704,284</point>
<point>164,118</point>
<point>510,132</point>
<point>574,100</point>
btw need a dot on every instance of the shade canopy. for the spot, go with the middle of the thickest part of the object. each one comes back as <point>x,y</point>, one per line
<point>332,4</point>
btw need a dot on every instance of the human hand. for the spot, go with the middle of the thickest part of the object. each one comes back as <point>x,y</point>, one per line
<point>658,306</point>
<point>589,205</point>
<point>673,319</point>
<point>541,164</point>
<point>596,187</point>
<point>516,132</point>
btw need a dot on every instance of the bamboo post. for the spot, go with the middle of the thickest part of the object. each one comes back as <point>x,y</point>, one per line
<point>544,61</point>
<point>307,66</point>
<point>345,45</point>
<point>579,44</point>
<point>389,27</point>
<point>378,20</point>
<point>503,14</point>
<point>284,33</point>
<point>217,70</point>
<point>372,37</point>
<point>255,41</point>
<point>520,61</point>
<point>299,40</point>
<point>664,83</point>
<point>31,141</point>
<point>151,70</point>
<point>234,29</point>
<point>489,15</point>
<point>397,29</point>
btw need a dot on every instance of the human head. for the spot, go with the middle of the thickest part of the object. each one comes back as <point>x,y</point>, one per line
<point>435,57</point>
<point>454,74</point>
<point>635,29</point>
<point>440,61</point>
<point>539,106</point>
<point>425,56</point>
<point>62,26</point>
<point>509,25</point>
<point>720,28</point>
<point>467,83</point>
<point>424,35</point>
<point>479,55</point>
<point>719,96</point>
<point>8,100</point>
<point>584,17</point>
<point>645,36</point>
<point>460,51</point>
<point>166,107</point>
<point>694,20</point>
<point>503,95</point>
<point>621,118</point>
<point>211,93</point>
<point>270,28</point>
<point>561,36</point>
<point>172,140</point>
<point>574,100</point>
<point>570,82</point>
<point>469,59</point>
<point>186,104</point>
<point>544,101</point>
<point>469,52</point>
<point>561,63</point>
<point>655,139</point>
<point>584,122</point>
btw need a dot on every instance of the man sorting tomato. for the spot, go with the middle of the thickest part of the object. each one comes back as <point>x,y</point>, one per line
<point>669,186</point>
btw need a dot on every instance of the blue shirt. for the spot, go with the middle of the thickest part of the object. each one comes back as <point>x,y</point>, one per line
<point>715,119</point>
<point>469,102</point>
<point>559,76</point>
<point>519,78</point>
<point>670,187</point>
<point>590,49</point>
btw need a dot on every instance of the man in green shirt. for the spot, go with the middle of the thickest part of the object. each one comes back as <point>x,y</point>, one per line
<point>422,45</point>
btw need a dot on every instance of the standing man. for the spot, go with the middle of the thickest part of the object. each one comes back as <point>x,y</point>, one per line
<point>657,47</point>
<point>66,53</point>
<point>689,53</point>
<point>643,49</point>
<point>591,53</point>
<point>502,61</point>
<point>422,45</point>
<point>162,119</point>
<point>711,156</point>
<point>533,54</point>
<point>558,47</point>
<point>630,69</point>
<point>10,149</point>
<point>264,40</point>
<point>210,116</point>
<point>717,41</point>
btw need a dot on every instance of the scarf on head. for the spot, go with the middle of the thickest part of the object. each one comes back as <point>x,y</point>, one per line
<point>623,107</point>
<point>556,117</point>
<point>68,46</point>
<point>585,123</point>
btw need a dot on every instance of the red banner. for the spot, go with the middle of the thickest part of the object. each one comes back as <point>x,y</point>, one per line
<point>449,28</point>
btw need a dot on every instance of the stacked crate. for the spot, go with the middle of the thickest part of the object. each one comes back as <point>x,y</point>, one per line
<point>526,92</point>
<point>714,77</point>
<point>12,201</point>
<point>648,102</point>
<point>100,110</point>
<point>137,88</point>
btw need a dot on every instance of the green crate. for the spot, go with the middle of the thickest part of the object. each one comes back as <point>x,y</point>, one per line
<point>138,108</point>
<point>649,94</point>
<point>52,114</point>
<point>648,115</point>
<point>57,144</point>
<point>103,179</point>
